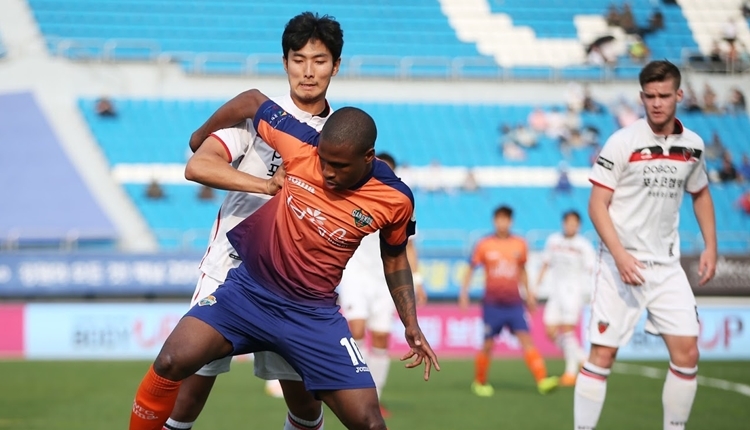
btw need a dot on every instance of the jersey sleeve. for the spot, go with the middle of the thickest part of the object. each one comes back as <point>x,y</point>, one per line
<point>236,140</point>
<point>698,178</point>
<point>396,235</point>
<point>610,163</point>
<point>282,131</point>
<point>477,255</point>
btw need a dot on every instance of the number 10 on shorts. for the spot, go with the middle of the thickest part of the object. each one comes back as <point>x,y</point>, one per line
<point>354,353</point>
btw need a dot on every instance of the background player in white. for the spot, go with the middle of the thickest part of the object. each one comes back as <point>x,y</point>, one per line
<point>639,181</point>
<point>233,159</point>
<point>569,260</point>
<point>366,302</point>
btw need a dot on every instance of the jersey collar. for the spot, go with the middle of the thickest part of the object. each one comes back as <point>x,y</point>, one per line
<point>302,115</point>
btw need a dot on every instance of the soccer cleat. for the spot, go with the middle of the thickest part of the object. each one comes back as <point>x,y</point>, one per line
<point>482,390</point>
<point>568,380</point>
<point>547,384</point>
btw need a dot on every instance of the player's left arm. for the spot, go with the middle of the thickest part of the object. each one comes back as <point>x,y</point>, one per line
<point>703,206</point>
<point>235,111</point>
<point>523,280</point>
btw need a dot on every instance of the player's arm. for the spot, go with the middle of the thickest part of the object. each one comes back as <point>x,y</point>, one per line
<point>411,255</point>
<point>523,279</point>
<point>235,111</point>
<point>545,262</point>
<point>703,206</point>
<point>627,265</point>
<point>476,260</point>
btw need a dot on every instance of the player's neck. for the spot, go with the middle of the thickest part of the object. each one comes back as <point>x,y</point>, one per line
<point>569,236</point>
<point>503,235</point>
<point>316,107</point>
<point>664,130</point>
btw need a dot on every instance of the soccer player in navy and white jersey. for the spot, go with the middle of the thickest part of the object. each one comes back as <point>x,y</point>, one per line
<point>235,159</point>
<point>639,181</point>
<point>569,259</point>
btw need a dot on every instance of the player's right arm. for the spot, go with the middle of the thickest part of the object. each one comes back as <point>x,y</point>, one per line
<point>231,113</point>
<point>545,262</point>
<point>604,176</point>
<point>476,259</point>
<point>210,165</point>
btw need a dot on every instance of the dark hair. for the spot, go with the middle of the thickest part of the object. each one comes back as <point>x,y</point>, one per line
<point>504,210</point>
<point>350,126</point>
<point>573,213</point>
<point>388,158</point>
<point>307,27</point>
<point>660,71</point>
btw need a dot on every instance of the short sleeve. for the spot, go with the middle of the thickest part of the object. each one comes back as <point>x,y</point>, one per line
<point>610,164</point>
<point>236,140</point>
<point>282,131</point>
<point>698,178</point>
<point>396,235</point>
<point>477,255</point>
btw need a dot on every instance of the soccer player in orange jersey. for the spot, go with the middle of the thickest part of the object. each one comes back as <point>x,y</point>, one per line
<point>293,250</point>
<point>503,256</point>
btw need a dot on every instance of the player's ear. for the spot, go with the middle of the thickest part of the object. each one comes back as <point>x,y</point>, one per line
<point>679,95</point>
<point>336,65</point>
<point>369,155</point>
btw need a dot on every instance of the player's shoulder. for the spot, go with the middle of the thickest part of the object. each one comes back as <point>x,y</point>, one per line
<point>384,175</point>
<point>518,240</point>
<point>554,237</point>
<point>691,137</point>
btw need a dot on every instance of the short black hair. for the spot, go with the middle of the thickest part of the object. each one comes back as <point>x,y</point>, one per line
<point>350,126</point>
<point>388,158</point>
<point>504,210</point>
<point>308,26</point>
<point>573,213</point>
<point>660,71</point>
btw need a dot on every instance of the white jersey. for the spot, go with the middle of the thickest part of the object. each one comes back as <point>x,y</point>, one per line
<point>366,261</point>
<point>648,174</point>
<point>249,154</point>
<point>570,262</point>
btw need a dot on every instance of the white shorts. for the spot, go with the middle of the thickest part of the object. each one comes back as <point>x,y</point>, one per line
<point>563,310</point>
<point>616,307</point>
<point>267,365</point>
<point>363,297</point>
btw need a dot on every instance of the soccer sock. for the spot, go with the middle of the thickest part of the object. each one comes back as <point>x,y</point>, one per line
<point>379,363</point>
<point>481,368</point>
<point>535,363</point>
<point>177,425</point>
<point>570,348</point>
<point>678,395</point>
<point>153,402</point>
<point>295,423</point>
<point>590,391</point>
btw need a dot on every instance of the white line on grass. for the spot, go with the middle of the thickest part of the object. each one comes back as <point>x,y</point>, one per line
<point>652,372</point>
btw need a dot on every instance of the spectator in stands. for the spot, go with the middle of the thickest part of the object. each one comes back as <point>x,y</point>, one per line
<point>154,191</point>
<point>626,114</point>
<point>743,202</point>
<point>574,96</point>
<point>736,104</point>
<point>729,31</point>
<point>728,172</point>
<point>470,184</point>
<point>105,108</point>
<point>709,99</point>
<point>613,16</point>
<point>537,120</point>
<point>715,148</point>
<point>627,20</point>
<point>656,21</point>
<point>589,104</point>
<point>690,101</point>
<point>744,169</point>
<point>206,193</point>
<point>638,50</point>
<point>525,136</point>
<point>555,123</point>
<point>563,184</point>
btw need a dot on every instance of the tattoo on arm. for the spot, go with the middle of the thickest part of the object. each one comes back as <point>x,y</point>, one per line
<point>401,285</point>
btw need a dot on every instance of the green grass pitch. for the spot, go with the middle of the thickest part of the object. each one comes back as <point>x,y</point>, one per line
<point>71,395</point>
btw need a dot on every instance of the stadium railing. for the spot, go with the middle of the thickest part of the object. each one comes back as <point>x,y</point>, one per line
<point>396,67</point>
<point>697,62</point>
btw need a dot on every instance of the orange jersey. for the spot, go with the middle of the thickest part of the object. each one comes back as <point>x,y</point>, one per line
<point>503,259</point>
<point>298,243</point>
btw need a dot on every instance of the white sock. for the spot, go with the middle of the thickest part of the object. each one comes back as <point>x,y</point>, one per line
<point>296,423</point>
<point>176,425</point>
<point>379,363</point>
<point>590,391</point>
<point>678,395</point>
<point>570,347</point>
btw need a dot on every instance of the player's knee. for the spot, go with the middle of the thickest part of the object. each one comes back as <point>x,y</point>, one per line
<point>602,356</point>
<point>551,332</point>
<point>687,357</point>
<point>167,366</point>
<point>371,419</point>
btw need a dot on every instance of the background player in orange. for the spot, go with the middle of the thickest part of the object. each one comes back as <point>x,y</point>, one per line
<point>503,256</point>
<point>293,250</point>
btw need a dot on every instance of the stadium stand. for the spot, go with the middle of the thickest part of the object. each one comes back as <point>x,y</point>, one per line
<point>147,131</point>
<point>44,200</point>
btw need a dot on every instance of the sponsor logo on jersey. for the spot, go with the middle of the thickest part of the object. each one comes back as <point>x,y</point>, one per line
<point>662,168</point>
<point>277,116</point>
<point>646,153</point>
<point>302,184</point>
<point>361,218</point>
<point>209,300</point>
<point>605,163</point>
<point>602,326</point>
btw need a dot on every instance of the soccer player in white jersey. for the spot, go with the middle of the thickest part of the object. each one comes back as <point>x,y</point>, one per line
<point>366,302</point>
<point>569,260</point>
<point>639,181</point>
<point>234,159</point>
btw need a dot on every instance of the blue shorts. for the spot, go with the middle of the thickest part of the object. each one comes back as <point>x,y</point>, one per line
<point>498,316</point>
<point>316,341</point>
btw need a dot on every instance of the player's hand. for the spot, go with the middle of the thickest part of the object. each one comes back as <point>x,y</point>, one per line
<point>531,303</point>
<point>628,267</point>
<point>707,266</point>
<point>276,182</point>
<point>420,349</point>
<point>463,301</point>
